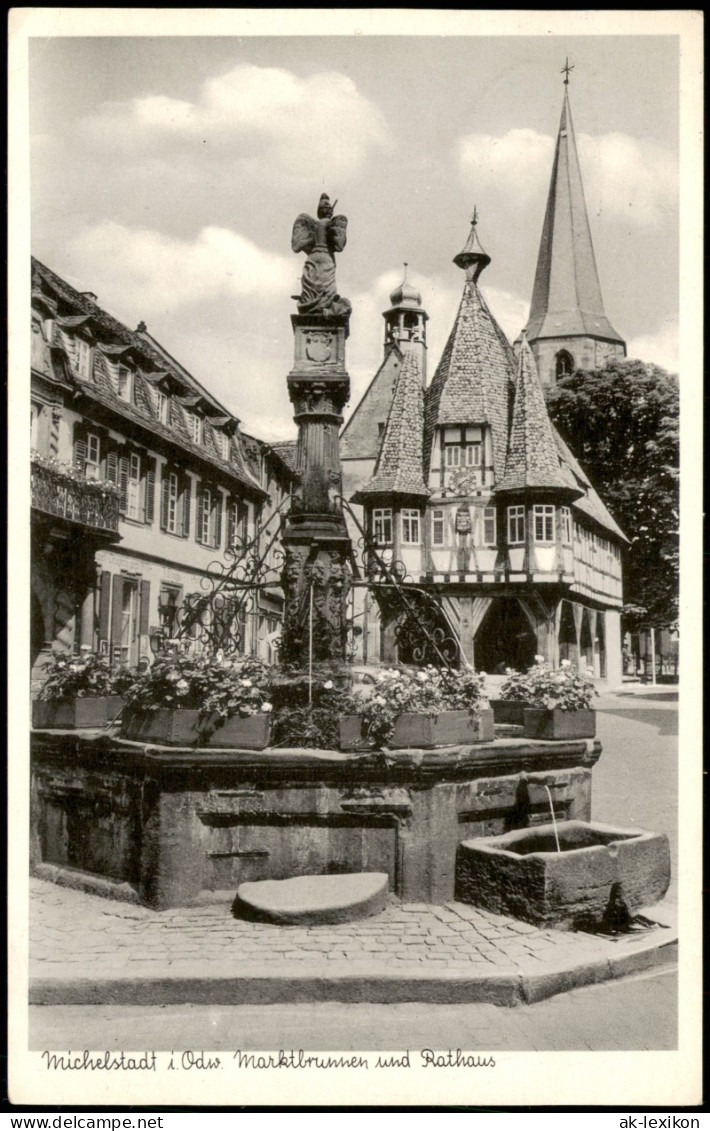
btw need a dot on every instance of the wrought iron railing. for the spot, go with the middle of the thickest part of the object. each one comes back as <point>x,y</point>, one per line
<point>56,493</point>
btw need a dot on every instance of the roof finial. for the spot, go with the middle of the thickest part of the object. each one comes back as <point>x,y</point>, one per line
<point>406,265</point>
<point>566,70</point>
<point>473,258</point>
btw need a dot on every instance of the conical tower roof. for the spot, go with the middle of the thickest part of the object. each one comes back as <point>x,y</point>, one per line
<point>567,297</point>
<point>533,458</point>
<point>473,380</point>
<point>399,464</point>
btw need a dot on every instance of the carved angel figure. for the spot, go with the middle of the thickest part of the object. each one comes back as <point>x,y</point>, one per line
<point>320,239</point>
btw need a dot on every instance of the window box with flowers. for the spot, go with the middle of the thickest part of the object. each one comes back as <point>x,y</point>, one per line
<point>428,708</point>
<point>80,691</point>
<point>187,700</point>
<point>557,704</point>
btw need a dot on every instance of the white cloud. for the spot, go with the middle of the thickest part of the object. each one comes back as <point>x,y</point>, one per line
<point>624,179</point>
<point>660,348</point>
<point>320,125</point>
<point>150,271</point>
<point>517,164</point>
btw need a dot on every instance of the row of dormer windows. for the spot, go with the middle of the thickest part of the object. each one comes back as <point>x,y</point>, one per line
<point>123,380</point>
<point>543,525</point>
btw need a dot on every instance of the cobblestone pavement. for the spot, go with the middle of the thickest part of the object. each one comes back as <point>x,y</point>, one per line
<point>74,934</point>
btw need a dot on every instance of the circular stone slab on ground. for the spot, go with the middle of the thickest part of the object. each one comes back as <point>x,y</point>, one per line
<point>313,899</point>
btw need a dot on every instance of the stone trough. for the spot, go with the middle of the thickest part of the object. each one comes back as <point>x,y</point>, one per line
<point>599,872</point>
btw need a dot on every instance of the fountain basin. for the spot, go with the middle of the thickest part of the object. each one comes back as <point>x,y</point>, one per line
<point>522,874</point>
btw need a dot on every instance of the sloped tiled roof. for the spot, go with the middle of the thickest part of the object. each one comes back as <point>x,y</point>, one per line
<point>532,458</point>
<point>285,450</point>
<point>567,297</point>
<point>113,339</point>
<point>589,503</point>
<point>399,465</point>
<point>473,380</point>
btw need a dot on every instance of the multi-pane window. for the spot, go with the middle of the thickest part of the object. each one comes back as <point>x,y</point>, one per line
<point>410,528</point>
<point>168,608</point>
<point>489,526</point>
<point>453,455</point>
<point>172,503</point>
<point>516,525</point>
<point>92,467</point>
<point>34,425</point>
<point>544,522</point>
<point>195,425</point>
<point>134,508</point>
<point>223,440</point>
<point>124,379</point>
<point>437,528</point>
<point>162,406</point>
<point>237,524</point>
<point>382,526</point>
<point>82,358</point>
<point>473,455</point>
<point>208,528</point>
<point>566,521</point>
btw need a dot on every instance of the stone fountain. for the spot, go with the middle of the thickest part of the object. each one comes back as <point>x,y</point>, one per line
<point>168,826</point>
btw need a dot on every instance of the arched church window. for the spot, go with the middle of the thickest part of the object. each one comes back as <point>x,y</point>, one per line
<point>564,364</point>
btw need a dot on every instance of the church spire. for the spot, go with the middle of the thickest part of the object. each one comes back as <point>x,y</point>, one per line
<point>568,327</point>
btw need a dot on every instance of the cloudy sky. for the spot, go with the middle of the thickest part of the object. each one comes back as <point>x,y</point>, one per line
<point>167,172</point>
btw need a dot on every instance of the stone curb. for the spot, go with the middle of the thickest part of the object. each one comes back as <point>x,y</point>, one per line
<point>292,985</point>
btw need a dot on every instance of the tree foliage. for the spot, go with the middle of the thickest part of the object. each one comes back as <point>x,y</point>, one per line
<point>622,424</point>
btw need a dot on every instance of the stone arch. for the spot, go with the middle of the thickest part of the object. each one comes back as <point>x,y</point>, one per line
<point>505,637</point>
<point>567,635</point>
<point>586,643</point>
<point>564,364</point>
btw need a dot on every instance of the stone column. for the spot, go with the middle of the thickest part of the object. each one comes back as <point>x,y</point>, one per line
<point>316,574</point>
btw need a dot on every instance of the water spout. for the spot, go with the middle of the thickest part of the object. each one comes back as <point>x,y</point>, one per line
<point>554,821</point>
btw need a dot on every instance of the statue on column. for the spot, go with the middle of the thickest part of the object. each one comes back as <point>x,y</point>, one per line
<point>320,239</point>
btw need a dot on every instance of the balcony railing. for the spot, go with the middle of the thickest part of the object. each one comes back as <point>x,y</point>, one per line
<point>56,493</point>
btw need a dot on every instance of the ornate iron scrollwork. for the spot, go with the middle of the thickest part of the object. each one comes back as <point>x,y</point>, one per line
<point>215,617</point>
<point>422,632</point>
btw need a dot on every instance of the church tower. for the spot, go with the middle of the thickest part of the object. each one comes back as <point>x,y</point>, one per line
<point>567,328</point>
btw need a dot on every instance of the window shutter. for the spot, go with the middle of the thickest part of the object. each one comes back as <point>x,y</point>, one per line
<point>218,522</point>
<point>145,608</point>
<point>150,492</point>
<point>200,514</point>
<point>231,510</point>
<point>186,499</point>
<point>116,612</point>
<point>112,465</point>
<point>104,605</point>
<point>164,494</point>
<point>123,482</point>
<point>80,452</point>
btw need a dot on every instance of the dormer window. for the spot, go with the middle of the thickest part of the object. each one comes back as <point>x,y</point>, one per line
<point>223,444</point>
<point>124,383</point>
<point>194,423</point>
<point>82,358</point>
<point>162,406</point>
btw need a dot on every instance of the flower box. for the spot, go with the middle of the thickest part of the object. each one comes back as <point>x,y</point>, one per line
<point>167,726</point>
<point>352,733</point>
<point>69,714</point>
<point>508,711</point>
<point>448,728</point>
<point>541,722</point>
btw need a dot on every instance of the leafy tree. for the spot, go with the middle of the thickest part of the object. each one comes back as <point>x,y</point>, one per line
<point>622,424</point>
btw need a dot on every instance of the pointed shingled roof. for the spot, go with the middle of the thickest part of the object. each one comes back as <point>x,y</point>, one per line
<point>399,464</point>
<point>532,459</point>
<point>473,380</point>
<point>567,297</point>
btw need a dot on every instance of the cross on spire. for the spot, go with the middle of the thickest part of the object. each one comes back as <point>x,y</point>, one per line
<point>566,70</point>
